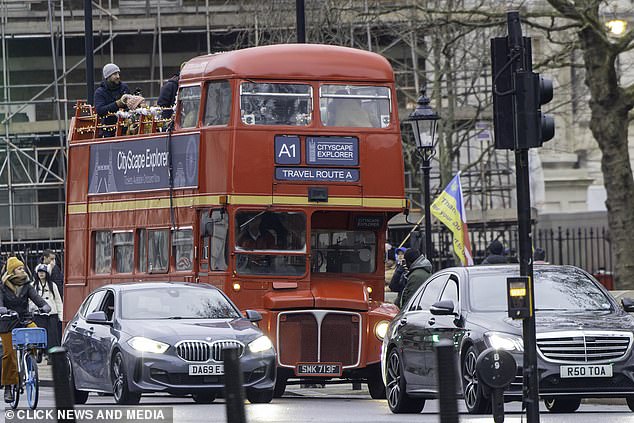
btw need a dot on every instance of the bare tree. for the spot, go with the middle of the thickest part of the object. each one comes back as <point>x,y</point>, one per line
<point>610,106</point>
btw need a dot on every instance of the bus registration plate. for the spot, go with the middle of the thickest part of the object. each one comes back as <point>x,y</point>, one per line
<point>318,369</point>
<point>206,369</point>
<point>586,370</point>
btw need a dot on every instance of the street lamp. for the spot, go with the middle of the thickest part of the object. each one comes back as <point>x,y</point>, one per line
<point>424,121</point>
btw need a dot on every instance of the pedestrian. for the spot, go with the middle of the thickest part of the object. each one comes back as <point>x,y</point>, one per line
<point>167,96</point>
<point>110,96</point>
<point>46,289</point>
<point>496,253</point>
<point>539,256</point>
<point>57,277</point>
<point>420,270</point>
<point>15,293</point>
<point>399,276</point>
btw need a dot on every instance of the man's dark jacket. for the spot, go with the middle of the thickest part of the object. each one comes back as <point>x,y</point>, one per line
<point>167,96</point>
<point>418,274</point>
<point>58,278</point>
<point>495,259</point>
<point>105,102</point>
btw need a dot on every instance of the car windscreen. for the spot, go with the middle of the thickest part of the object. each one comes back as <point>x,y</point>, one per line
<point>176,303</point>
<point>555,290</point>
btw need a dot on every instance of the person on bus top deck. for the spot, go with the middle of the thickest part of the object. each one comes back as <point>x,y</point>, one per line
<point>110,96</point>
<point>167,96</point>
<point>253,236</point>
<point>15,293</point>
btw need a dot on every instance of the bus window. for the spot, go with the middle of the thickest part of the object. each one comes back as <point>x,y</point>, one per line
<point>355,106</point>
<point>218,247</point>
<point>158,250</point>
<point>183,249</point>
<point>142,237</point>
<point>103,252</point>
<point>218,105</point>
<point>341,251</point>
<point>276,104</point>
<point>189,100</point>
<point>273,231</point>
<point>123,251</point>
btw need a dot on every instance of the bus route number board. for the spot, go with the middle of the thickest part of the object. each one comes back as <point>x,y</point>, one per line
<point>318,369</point>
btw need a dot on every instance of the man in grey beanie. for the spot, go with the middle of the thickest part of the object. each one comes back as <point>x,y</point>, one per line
<point>110,96</point>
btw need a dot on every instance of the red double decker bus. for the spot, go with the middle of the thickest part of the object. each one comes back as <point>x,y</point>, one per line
<point>276,184</point>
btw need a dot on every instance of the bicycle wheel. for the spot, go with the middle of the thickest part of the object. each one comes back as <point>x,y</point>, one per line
<point>17,388</point>
<point>31,381</point>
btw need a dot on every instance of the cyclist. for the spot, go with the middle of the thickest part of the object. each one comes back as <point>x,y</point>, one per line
<point>15,293</point>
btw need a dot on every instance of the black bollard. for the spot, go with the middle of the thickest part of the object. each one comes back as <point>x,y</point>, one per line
<point>446,356</point>
<point>496,370</point>
<point>64,395</point>
<point>234,386</point>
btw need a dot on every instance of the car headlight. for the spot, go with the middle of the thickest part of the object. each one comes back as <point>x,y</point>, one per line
<point>380,330</point>
<point>142,344</point>
<point>505,341</point>
<point>263,343</point>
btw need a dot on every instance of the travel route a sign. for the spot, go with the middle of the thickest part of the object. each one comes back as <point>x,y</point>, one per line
<point>342,152</point>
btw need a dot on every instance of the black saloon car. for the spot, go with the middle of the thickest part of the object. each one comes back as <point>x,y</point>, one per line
<point>132,338</point>
<point>584,338</point>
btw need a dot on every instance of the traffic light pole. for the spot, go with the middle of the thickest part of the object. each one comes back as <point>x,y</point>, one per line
<point>530,374</point>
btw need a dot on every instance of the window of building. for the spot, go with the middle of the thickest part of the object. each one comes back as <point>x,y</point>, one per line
<point>276,104</point>
<point>103,252</point>
<point>355,106</point>
<point>189,100</point>
<point>123,251</point>
<point>183,249</point>
<point>218,106</point>
<point>158,250</point>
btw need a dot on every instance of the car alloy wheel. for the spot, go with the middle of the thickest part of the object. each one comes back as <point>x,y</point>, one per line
<point>562,405</point>
<point>120,390</point>
<point>473,397</point>
<point>397,398</point>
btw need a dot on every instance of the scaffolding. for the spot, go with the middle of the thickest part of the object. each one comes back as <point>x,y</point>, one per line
<point>43,73</point>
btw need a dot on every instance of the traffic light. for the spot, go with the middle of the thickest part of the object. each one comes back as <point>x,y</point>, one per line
<point>518,94</point>
<point>531,92</point>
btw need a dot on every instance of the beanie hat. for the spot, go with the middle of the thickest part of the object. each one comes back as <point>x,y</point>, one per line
<point>411,255</point>
<point>109,69</point>
<point>12,264</point>
<point>496,247</point>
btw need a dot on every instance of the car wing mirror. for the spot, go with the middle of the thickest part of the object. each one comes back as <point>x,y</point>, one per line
<point>442,308</point>
<point>628,304</point>
<point>98,318</point>
<point>253,316</point>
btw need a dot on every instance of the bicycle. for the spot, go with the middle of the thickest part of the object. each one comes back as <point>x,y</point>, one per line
<point>26,341</point>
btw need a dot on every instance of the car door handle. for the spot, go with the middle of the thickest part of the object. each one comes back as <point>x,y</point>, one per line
<point>432,321</point>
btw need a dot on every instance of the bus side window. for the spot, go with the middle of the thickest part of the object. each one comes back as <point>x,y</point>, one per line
<point>189,100</point>
<point>123,251</point>
<point>183,249</point>
<point>218,248</point>
<point>218,105</point>
<point>103,252</point>
<point>158,251</point>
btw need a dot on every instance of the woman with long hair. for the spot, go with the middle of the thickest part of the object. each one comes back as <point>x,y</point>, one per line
<point>47,289</point>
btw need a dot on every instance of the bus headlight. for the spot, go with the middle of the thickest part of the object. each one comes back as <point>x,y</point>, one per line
<point>263,343</point>
<point>381,329</point>
<point>142,344</point>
